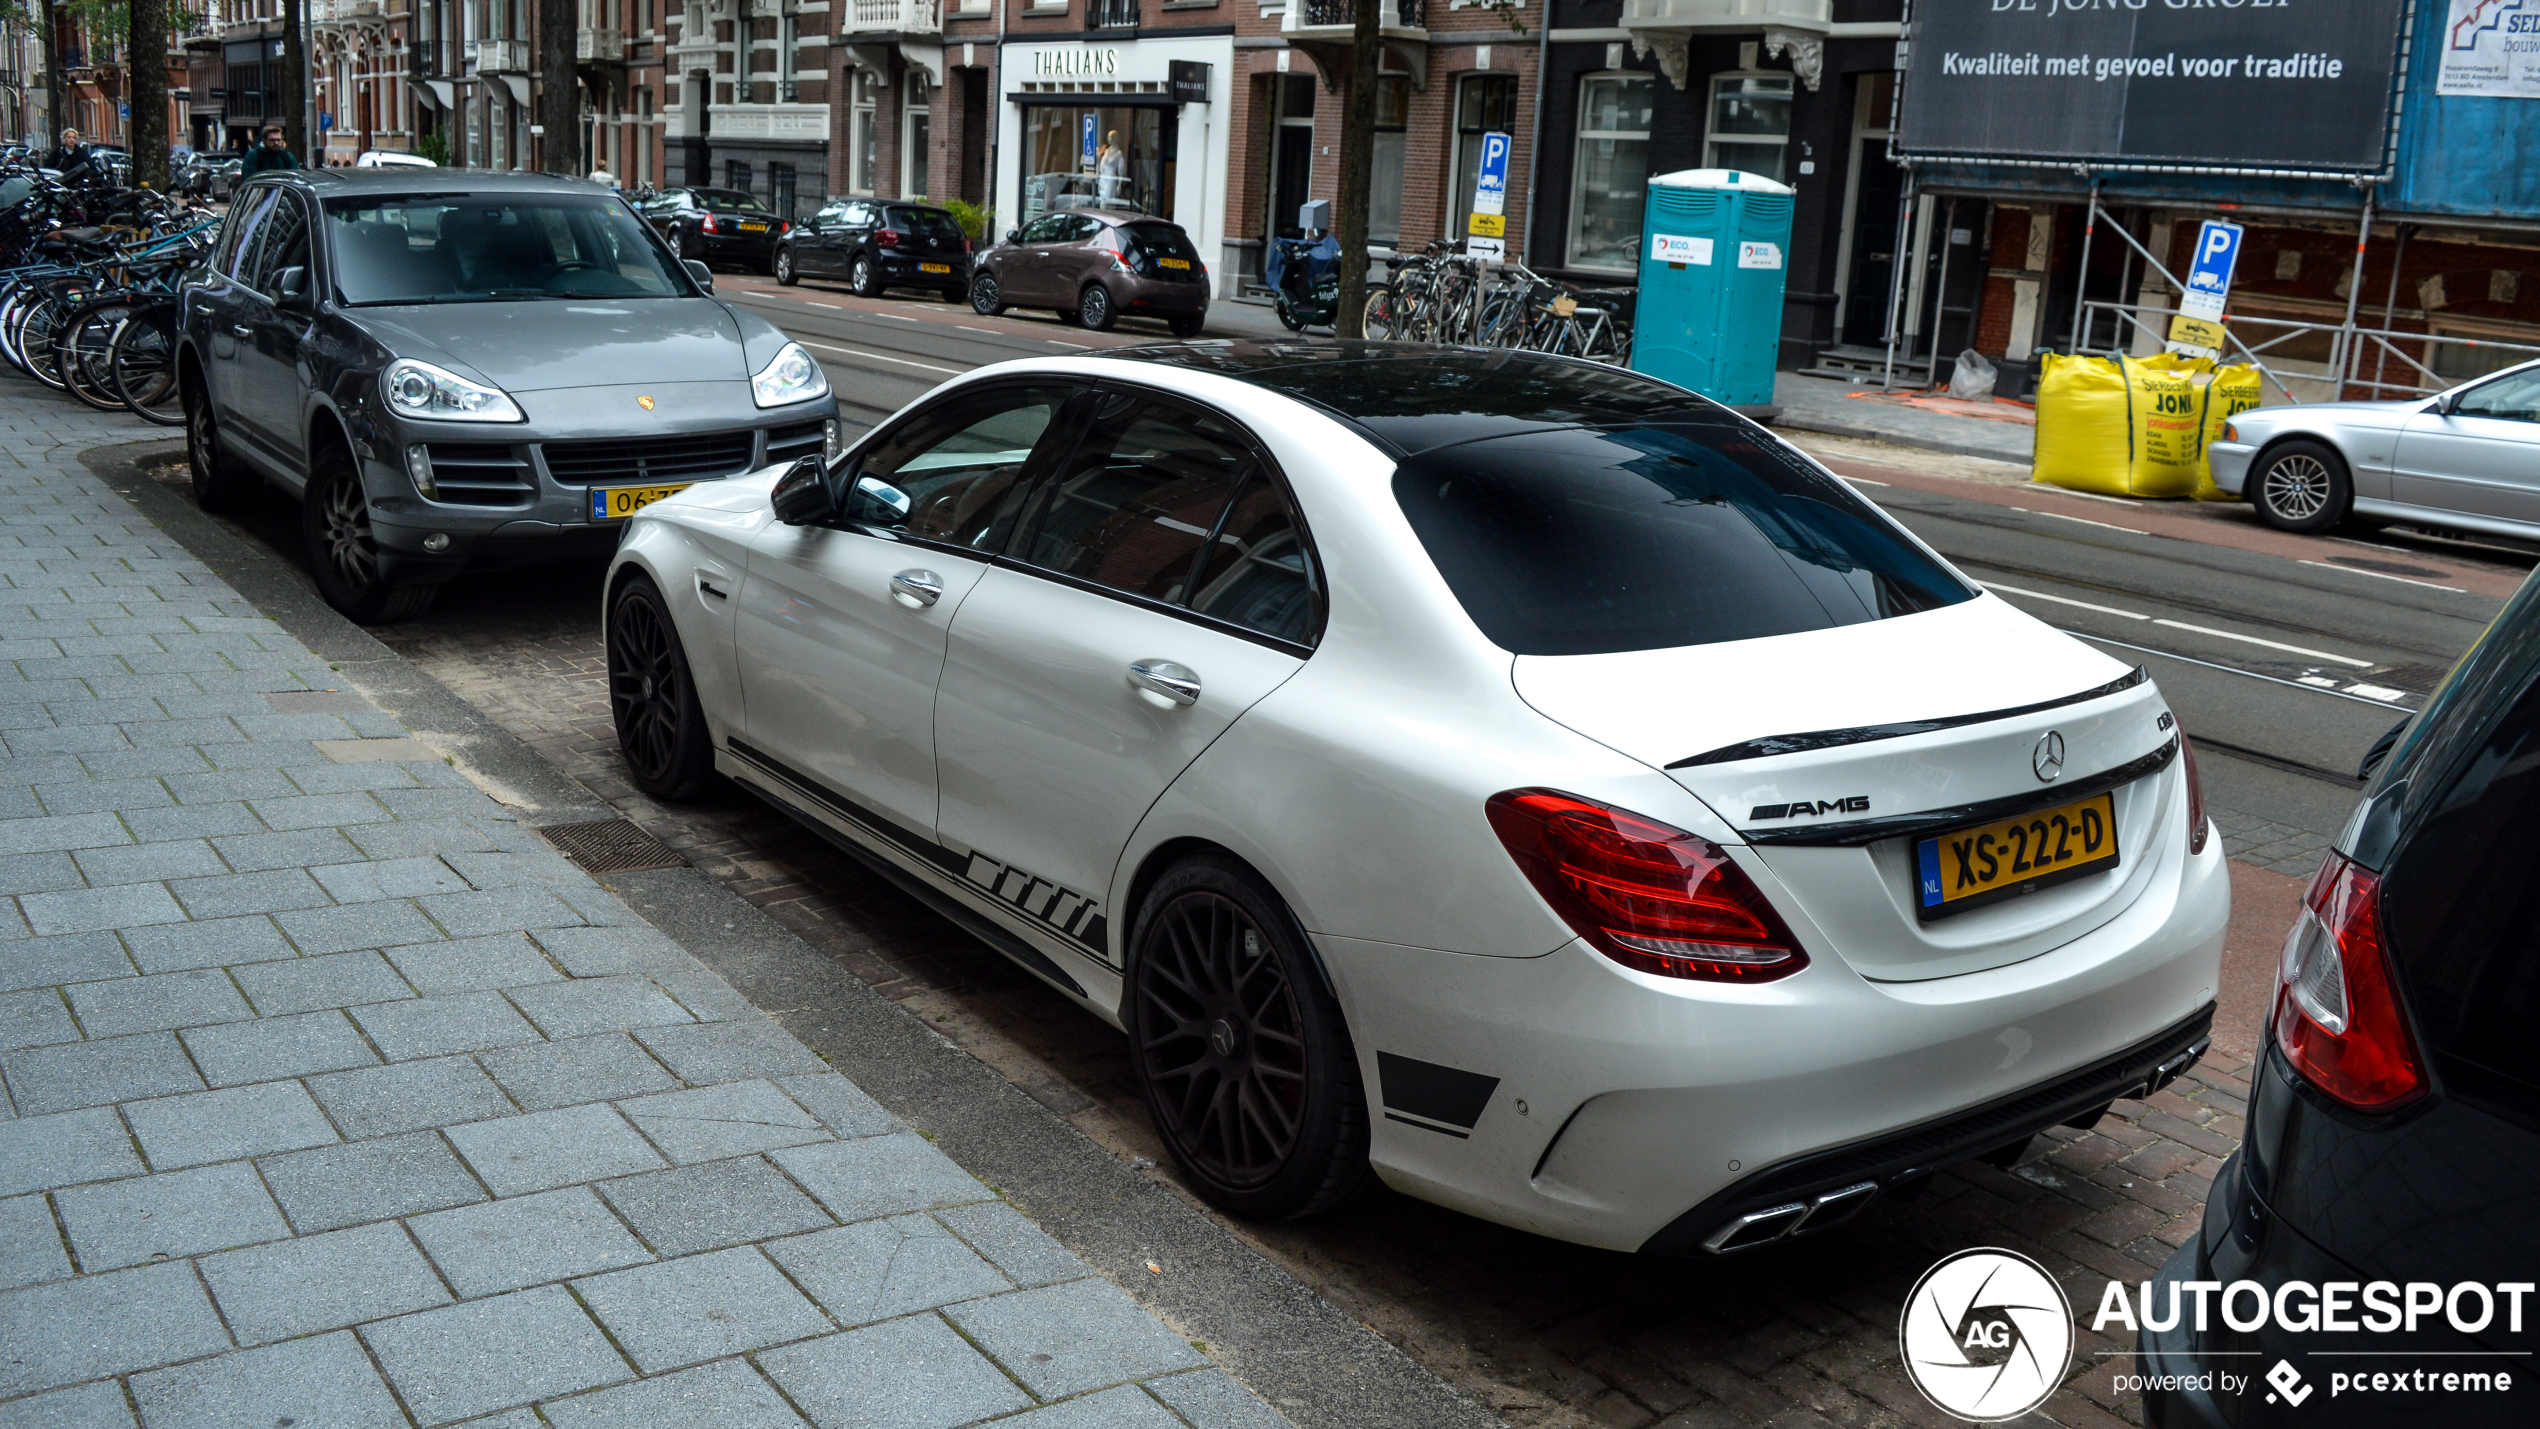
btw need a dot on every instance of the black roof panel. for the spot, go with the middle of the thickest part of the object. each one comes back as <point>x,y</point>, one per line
<point>1413,397</point>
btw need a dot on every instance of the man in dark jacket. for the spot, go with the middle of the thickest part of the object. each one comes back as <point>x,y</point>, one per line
<point>272,156</point>
<point>67,155</point>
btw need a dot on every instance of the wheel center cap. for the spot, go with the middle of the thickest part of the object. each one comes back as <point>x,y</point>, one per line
<point>1221,1038</point>
<point>648,688</point>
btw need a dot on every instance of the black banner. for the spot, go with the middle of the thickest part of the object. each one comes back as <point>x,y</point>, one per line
<point>2276,84</point>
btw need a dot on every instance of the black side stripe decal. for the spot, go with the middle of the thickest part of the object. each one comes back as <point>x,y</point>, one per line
<point>1069,914</point>
<point>1433,1097</point>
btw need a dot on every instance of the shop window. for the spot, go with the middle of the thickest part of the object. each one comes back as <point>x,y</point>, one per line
<point>1117,157</point>
<point>1484,104</point>
<point>1750,124</point>
<point>1611,172</point>
<point>1385,178</point>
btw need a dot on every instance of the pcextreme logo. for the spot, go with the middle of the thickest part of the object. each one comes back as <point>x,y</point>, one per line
<point>1986,1334</point>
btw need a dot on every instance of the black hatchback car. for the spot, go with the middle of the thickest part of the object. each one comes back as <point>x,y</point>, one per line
<point>876,245</point>
<point>449,368</point>
<point>2385,1203</point>
<point>720,227</point>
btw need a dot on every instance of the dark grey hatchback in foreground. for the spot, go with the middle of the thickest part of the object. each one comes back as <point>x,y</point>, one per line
<point>456,369</point>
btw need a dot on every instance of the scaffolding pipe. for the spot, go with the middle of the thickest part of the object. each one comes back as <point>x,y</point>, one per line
<point>2354,295</point>
<point>1896,278</point>
<point>2081,275</point>
<point>1940,292</point>
<point>2390,304</point>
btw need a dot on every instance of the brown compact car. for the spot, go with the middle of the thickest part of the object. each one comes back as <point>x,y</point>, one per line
<point>1095,266</point>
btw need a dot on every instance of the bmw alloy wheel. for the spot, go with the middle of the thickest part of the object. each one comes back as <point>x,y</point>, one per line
<point>2296,487</point>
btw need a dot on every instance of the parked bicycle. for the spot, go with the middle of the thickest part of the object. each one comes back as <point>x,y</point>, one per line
<point>1449,298</point>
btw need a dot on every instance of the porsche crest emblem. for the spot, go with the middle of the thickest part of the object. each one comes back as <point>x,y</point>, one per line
<point>644,402</point>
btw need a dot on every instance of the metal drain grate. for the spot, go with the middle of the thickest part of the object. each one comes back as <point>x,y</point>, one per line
<point>610,846</point>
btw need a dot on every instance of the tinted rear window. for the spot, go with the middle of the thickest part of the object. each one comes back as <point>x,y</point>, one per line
<point>1584,542</point>
<point>731,201</point>
<point>932,222</point>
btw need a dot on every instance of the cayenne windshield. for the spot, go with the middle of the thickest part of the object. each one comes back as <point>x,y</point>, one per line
<point>1586,542</point>
<point>461,248</point>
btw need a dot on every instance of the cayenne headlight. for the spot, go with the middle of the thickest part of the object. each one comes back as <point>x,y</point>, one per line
<point>433,394</point>
<point>791,377</point>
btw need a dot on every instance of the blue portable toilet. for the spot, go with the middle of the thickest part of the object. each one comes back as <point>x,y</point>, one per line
<point>1715,246</point>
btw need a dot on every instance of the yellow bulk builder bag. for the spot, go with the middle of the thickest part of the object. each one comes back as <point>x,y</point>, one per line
<point>2125,426</point>
<point>2233,390</point>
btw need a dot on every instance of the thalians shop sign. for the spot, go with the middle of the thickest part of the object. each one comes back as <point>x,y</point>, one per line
<point>2205,83</point>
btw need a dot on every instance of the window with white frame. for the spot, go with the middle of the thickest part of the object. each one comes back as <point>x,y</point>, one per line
<point>1612,171</point>
<point>1750,124</point>
<point>864,145</point>
<point>1385,178</point>
<point>916,126</point>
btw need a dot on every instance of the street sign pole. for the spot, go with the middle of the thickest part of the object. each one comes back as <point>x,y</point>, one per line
<point>1486,232</point>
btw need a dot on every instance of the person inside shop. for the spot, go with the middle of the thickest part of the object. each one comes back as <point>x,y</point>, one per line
<point>272,156</point>
<point>69,154</point>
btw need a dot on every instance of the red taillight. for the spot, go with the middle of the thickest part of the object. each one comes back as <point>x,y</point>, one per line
<point>965,244</point>
<point>1646,895</point>
<point>2337,1015</point>
<point>1123,265</point>
<point>887,237</point>
<point>2195,797</point>
<point>706,224</point>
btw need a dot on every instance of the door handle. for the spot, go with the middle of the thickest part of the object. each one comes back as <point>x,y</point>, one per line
<point>917,589</point>
<point>1177,684</point>
<point>241,330</point>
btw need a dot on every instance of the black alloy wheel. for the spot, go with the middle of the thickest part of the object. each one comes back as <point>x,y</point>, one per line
<point>983,296</point>
<point>1240,1049</point>
<point>220,484</point>
<point>862,278</point>
<point>1094,309</point>
<point>784,265</point>
<point>342,551</point>
<point>2301,486</point>
<point>661,728</point>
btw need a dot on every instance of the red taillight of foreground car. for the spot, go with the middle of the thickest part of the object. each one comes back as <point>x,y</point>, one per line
<point>2337,1017</point>
<point>2195,797</point>
<point>706,224</point>
<point>1646,895</point>
<point>887,237</point>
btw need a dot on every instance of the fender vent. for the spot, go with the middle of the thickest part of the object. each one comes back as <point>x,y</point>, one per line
<point>610,846</point>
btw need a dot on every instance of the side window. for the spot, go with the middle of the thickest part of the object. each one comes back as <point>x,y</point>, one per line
<point>1051,229</point>
<point>2514,397</point>
<point>1081,227</point>
<point>953,474</point>
<point>282,241</point>
<point>1138,498</point>
<point>1259,573</point>
<point>237,237</point>
<point>859,215</point>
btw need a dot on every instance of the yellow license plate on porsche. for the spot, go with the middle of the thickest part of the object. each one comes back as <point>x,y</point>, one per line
<point>1984,863</point>
<point>934,267</point>
<point>616,503</point>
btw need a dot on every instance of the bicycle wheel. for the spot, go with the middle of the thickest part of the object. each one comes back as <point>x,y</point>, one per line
<point>84,352</point>
<point>1377,320</point>
<point>143,364</point>
<point>35,340</point>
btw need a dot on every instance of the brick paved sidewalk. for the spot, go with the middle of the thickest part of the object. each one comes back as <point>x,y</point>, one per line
<point>335,1097</point>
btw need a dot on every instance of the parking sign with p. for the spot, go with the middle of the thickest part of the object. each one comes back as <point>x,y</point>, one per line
<point>2209,271</point>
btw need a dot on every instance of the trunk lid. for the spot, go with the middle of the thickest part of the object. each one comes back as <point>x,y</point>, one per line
<point>1882,734</point>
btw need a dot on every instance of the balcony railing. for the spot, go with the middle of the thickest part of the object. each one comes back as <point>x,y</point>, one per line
<point>600,46</point>
<point>502,57</point>
<point>894,17</point>
<point>1390,14</point>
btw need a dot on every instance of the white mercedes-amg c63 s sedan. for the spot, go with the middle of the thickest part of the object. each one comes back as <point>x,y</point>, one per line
<point>1519,779</point>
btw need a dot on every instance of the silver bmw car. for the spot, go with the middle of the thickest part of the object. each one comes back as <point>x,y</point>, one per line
<point>2467,458</point>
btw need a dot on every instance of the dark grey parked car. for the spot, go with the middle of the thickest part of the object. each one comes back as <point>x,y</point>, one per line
<point>451,368</point>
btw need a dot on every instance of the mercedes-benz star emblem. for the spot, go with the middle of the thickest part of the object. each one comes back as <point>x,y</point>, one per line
<point>2048,761</point>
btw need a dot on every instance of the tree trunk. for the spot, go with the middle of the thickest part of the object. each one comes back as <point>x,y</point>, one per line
<point>560,93</point>
<point>1358,159</point>
<point>148,88</point>
<point>295,87</point>
<point>54,83</point>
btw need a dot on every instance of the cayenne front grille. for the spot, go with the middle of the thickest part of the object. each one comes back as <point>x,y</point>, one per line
<point>481,474</point>
<point>693,457</point>
<point>795,443</point>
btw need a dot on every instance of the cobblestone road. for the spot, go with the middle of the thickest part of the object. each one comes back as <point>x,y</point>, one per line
<point>1544,1334</point>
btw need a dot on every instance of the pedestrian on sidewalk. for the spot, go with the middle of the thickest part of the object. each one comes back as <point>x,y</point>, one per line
<point>272,156</point>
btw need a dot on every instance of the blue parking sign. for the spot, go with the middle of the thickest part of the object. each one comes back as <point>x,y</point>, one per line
<point>1089,140</point>
<point>1493,178</point>
<point>2209,270</point>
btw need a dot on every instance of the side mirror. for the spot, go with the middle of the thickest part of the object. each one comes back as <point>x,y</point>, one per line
<point>1013,235</point>
<point>291,287</point>
<point>698,270</point>
<point>802,496</point>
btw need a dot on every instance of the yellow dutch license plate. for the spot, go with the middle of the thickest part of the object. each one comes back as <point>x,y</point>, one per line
<point>934,267</point>
<point>754,228</point>
<point>1182,263</point>
<point>1970,867</point>
<point>616,503</point>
